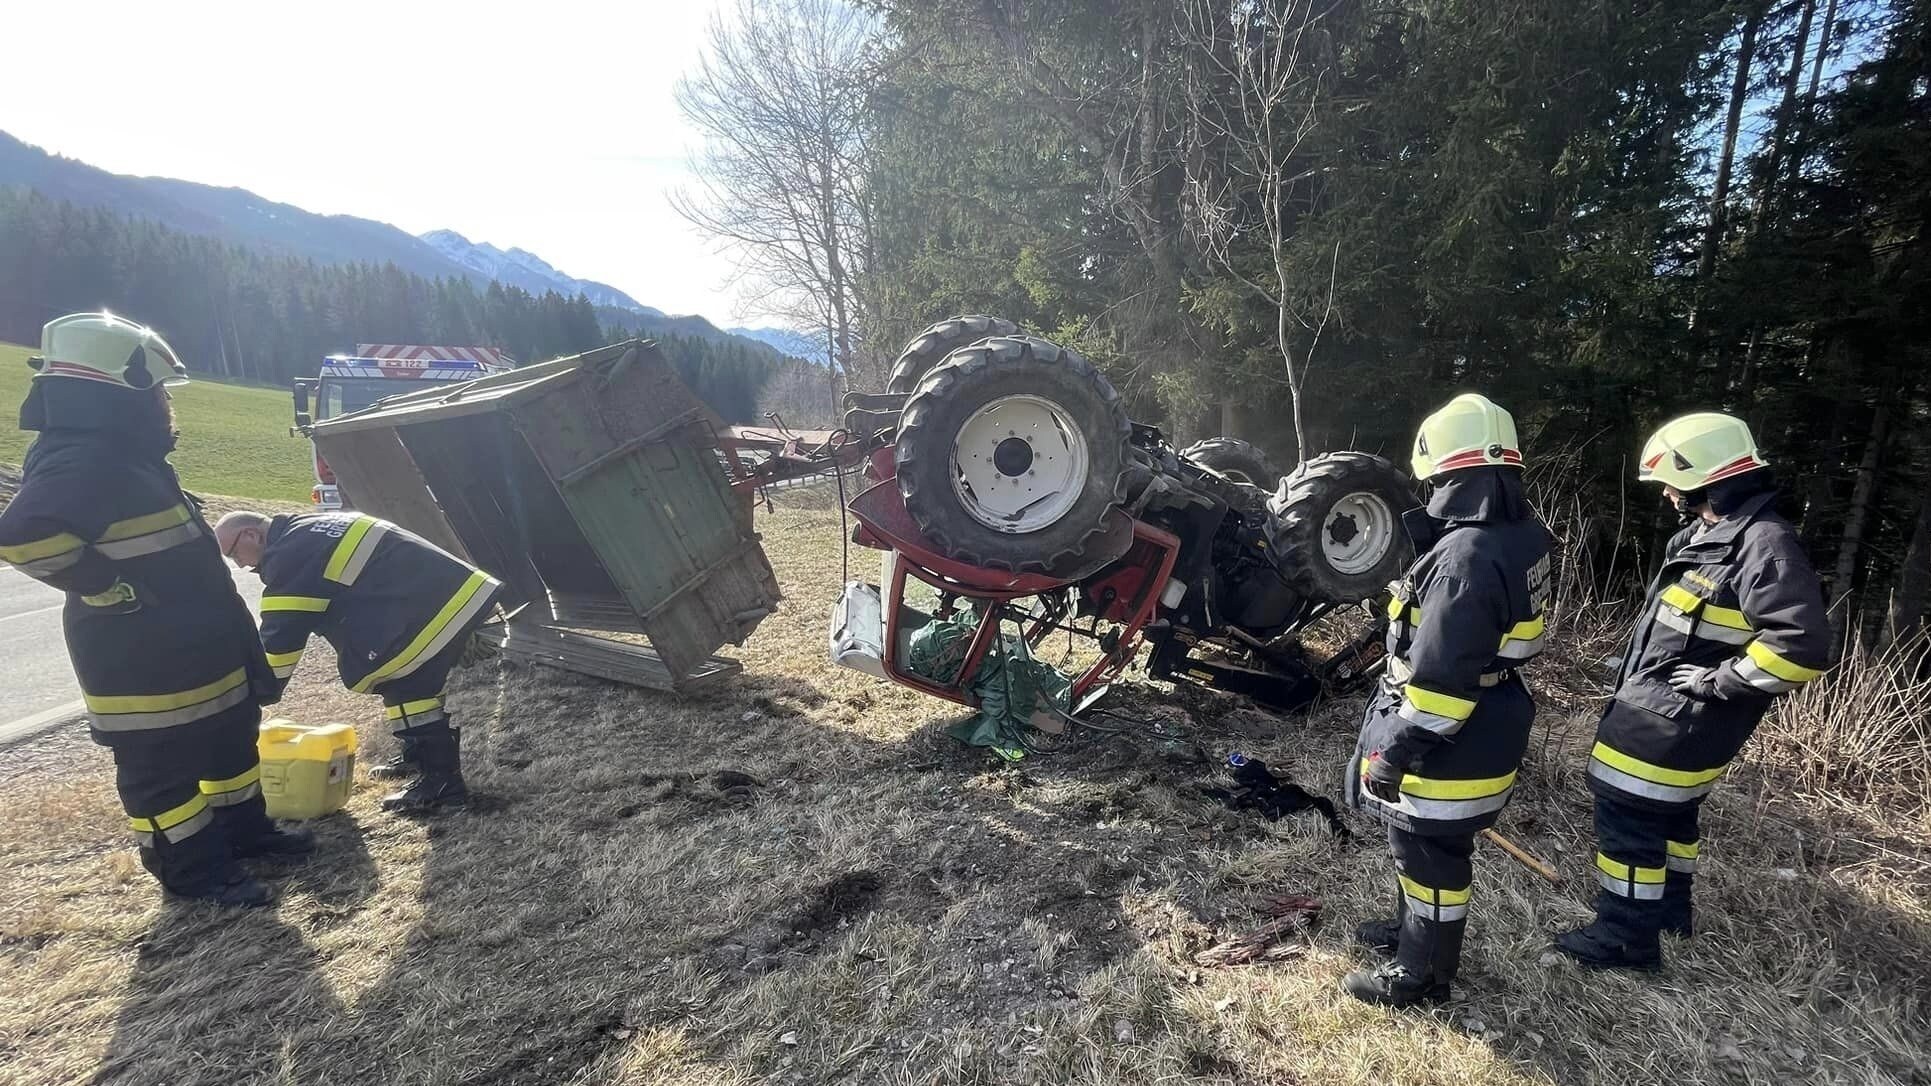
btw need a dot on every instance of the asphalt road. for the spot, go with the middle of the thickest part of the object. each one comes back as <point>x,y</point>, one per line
<point>40,691</point>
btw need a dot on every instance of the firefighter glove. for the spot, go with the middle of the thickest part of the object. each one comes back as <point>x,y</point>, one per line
<point>1694,682</point>
<point>118,599</point>
<point>1382,779</point>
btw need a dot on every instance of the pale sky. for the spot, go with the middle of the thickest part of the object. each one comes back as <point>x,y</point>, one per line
<point>549,125</point>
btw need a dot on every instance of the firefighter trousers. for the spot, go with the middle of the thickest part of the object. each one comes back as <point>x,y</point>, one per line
<point>192,792</point>
<point>1645,865</point>
<point>413,704</point>
<point>1433,873</point>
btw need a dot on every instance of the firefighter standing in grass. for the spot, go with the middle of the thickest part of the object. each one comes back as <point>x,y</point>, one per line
<point>170,669</point>
<point>1446,731</point>
<point>1736,617</point>
<point>398,610</point>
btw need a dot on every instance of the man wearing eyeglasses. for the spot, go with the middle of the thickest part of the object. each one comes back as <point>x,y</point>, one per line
<point>399,612</point>
<point>165,650</point>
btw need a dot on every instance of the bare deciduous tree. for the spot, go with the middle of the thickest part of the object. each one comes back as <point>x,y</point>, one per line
<point>780,97</point>
<point>1261,72</point>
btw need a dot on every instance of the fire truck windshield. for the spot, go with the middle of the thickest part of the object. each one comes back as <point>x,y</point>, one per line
<point>341,395</point>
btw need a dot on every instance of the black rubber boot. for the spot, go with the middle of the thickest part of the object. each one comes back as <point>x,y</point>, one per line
<point>1394,986</point>
<point>237,890</point>
<point>1380,936</point>
<point>1599,947</point>
<point>441,784</point>
<point>279,843</point>
<point>1679,912</point>
<point>404,764</point>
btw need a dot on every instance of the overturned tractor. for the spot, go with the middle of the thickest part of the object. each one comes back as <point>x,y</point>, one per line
<point>1006,479</point>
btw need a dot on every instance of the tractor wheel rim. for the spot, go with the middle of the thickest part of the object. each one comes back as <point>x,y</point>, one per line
<point>1358,533</point>
<point>1019,464</point>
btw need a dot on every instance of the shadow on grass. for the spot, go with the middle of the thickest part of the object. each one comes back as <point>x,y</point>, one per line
<point>807,881</point>
<point>238,995</point>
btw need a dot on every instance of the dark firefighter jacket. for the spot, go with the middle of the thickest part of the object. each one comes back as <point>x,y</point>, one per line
<point>1738,596</point>
<point>157,634</point>
<point>388,600</point>
<point>1450,711</point>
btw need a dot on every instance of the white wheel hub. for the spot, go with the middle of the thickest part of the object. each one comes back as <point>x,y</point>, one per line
<point>1019,464</point>
<point>1358,532</point>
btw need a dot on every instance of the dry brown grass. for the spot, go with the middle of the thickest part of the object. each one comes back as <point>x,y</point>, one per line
<point>891,908</point>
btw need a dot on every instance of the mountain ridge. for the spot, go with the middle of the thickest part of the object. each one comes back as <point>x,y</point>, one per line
<point>241,217</point>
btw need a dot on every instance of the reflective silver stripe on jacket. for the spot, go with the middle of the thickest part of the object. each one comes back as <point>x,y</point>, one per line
<point>1637,786</point>
<point>127,717</point>
<point>151,543</point>
<point>1753,673</point>
<point>52,564</point>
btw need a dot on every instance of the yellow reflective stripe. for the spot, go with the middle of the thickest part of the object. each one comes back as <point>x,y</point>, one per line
<point>1636,767</point>
<point>1442,705</point>
<point>1431,894</point>
<point>160,703</point>
<point>1395,607</point>
<point>1725,616</point>
<point>283,659</point>
<point>412,708</point>
<point>1526,631</point>
<point>170,818</point>
<point>59,543</point>
<point>1627,873</point>
<point>142,525</point>
<point>345,549</point>
<point>438,627</point>
<point>1686,850</point>
<point>1767,659</point>
<point>1681,598</point>
<point>1434,788</point>
<point>231,784</point>
<point>294,603</point>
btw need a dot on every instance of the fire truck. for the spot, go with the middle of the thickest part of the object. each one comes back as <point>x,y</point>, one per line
<point>375,372</point>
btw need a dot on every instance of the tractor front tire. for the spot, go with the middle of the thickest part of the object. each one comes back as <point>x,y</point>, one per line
<point>932,346</point>
<point>1236,460</point>
<point>1010,455</point>
<point>1335,528</point>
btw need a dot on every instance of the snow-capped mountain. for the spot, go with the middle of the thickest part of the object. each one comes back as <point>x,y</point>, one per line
<point>522,268</point>
<point>788,341</point>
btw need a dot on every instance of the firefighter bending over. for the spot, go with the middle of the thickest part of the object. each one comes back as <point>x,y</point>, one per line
<point>165,650</point>
<point>399,611</point>
<point>1446,731</point>
<point>1735,618</point>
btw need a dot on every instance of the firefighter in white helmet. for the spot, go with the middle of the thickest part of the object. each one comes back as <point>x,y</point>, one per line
<point>170,669</point>
<point>1446,731</point>
<point>1735,619</point>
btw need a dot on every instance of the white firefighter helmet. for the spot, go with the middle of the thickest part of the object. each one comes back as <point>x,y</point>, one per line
<point>1470,431</point>
<point>106,348</point>
<point>1691,452</point>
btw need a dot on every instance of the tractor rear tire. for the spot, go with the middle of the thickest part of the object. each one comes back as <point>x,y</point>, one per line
<point>930,347</point>
<point>1085,423</point>
<point>1335,528</point>
<point>1239,461</point>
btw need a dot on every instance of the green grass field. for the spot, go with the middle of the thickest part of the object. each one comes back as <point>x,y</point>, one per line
<point>234,439</point>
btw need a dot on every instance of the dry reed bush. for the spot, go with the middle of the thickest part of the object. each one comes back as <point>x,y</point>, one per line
<point>891,908</point>
<point>1858,741</point>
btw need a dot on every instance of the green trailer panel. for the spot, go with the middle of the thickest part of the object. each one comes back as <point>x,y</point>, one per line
<point>593,487</point>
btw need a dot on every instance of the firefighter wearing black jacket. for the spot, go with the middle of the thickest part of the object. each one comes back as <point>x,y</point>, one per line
<point>165,650</point>
<point>398,609</point>
<point>1735,618</point>
<point>1445,732</point>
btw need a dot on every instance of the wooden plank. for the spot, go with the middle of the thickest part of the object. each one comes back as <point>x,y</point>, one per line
<point>604,658</point>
